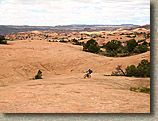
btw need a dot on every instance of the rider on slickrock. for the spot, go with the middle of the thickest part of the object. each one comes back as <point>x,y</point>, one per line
<point>89,72</point>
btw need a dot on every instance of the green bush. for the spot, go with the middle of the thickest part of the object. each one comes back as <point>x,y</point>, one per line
<point>141,49</point>
<point>78,43</point>
<point>147,36</point>
<point>129,36</point>
<point>131,44</point>
<point>2,40</point>
<point>133,89</point>
<point>74,40</point>
<point>39,75</point>
<point>131,70</point>
<point>91,46</point>
<point>63,41</point>
<point>140,89</point>
<point>145,43</point>
<point>142,70</point>
<point>123,54</point>
<point>81,38</point>
<point>112,54</point>
<point>122,34</point>
<point>113,45</point>
<point>144,89</point>
<point>2,37</point>
<point>145,67</point>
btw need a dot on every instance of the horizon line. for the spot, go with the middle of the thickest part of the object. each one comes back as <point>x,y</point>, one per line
<point>77,24</point>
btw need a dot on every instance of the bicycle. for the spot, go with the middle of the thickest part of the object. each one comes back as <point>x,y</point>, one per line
<point>86,75</point>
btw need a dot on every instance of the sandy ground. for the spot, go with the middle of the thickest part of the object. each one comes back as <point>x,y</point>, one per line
<point>63,89</point>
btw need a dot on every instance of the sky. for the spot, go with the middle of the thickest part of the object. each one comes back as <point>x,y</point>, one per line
<point>66,12</point>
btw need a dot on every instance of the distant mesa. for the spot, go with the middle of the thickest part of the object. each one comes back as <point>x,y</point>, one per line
<point>12,29</point>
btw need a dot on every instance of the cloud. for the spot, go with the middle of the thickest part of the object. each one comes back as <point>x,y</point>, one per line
<point>55,12</point>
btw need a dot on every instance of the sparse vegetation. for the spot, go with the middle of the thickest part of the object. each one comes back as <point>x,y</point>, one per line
<point>63,41</point>
<point>140,49</point>
<point>119,71</point>
<point>140,89</point>
<point>74,40</point>
<point>129,36</point>
<point>78,43</point>
<point>81,38</point>
<point>142,70</point>
<point>115,48</point>
<point>112,48</point>
<point>113,45</point>
<point>2,40</point>
<point>91,46</point>
<point>39,75</point>
<point>131,44</point>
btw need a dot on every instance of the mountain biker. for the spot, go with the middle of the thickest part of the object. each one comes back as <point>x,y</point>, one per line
<point>89,72</point>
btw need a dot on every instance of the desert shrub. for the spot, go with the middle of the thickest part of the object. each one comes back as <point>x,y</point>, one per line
<point>131,70</point>
<point>2,37</point>
<point>46,36</point>
<point>131,44</point>
<point>78,43</point>
<point>140,89</point>
<point>91,46</point>
<point>112,53</point>
<point>144,89</point>
<point>140,49</point>
<point>81,38</point>
<point>142,70</point>
<point>123,54</point>
<point>145,66</point>
<point>2,40</point>
<point>134,36</point>
<point>63,41</point>
<point>133,89</point>
<point>145,43</point>
<point>129,33</point>
<point>113,45</point>
<point>129,36</point>
<point>147,36</point>
<point>74,40</point>
<point>39,75</point>
<point>141,40</point>
<point>118,72</point>
<point>136,50</point>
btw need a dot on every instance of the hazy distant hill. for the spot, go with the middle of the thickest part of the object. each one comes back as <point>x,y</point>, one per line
<point>147,26</point>
<point>95,25</point>
<point>10,29</point>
